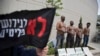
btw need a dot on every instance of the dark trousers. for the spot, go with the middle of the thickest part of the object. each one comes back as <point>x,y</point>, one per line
<point>77,41</point>
<point>60,39</point>
<point>69,41</point>
<point>85,40</point>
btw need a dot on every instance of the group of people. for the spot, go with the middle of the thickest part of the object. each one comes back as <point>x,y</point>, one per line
<point>72,33</point>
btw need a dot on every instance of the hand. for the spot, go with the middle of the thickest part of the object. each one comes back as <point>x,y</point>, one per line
<point>63,30</point>
<point>42,52</point>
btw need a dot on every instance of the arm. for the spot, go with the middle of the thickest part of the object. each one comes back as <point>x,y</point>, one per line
<point>76,30</point>
<point>58,27</point>
<point>89,31</point>
<point>65,28</point>
<point>68,30</point>
<point>83,30</point>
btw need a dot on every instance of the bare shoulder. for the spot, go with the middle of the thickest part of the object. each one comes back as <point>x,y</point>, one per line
<point>64,24</point>
<point>58,22</point>
<point>85,28</point>
<point>76,28</point>
<point>68,26</point>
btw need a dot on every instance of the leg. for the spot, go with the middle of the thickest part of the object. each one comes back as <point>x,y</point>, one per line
<point>67,41</point>
<point>76,41</point>
<point>62,39</point>
<point>58,41</point>
<point>87,39</point>
<point>71,42</point>
<point>79,41</point>
<point>84,41</point>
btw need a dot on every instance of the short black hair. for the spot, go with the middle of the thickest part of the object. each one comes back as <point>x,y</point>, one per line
<point>89,23</point>
<point>63,17</point>
<point>71,21</point>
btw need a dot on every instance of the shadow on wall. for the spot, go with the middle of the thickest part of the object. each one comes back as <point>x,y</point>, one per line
<point>96,37</point>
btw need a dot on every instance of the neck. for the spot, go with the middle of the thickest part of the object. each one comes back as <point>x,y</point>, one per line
<point>80,28</point>
<point>62,21</point>
<point>87,27</point>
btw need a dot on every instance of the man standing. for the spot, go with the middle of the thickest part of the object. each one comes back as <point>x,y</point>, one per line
<point>70,35</point>
<point>60,27</point>
<point>79,32</point>
<point>86,34</point>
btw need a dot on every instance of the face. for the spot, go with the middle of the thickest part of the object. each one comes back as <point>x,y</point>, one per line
<point>88,25</point>
<point>80,26</point>
<point>62,18</point>
<point>71,23</point>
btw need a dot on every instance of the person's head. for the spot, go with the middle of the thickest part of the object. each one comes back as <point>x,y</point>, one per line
<point>62,18</point>
<point>71,23</point>
<point>80,25</point>
<point>88,24</point>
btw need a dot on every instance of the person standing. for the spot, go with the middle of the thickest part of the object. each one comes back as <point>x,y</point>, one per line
<point>86,34</point>
<point>61,29</point>
<point>79,32</point>
<point>70,35</point>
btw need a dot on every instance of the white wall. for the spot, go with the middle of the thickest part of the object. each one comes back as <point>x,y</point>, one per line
<point>73,9</point>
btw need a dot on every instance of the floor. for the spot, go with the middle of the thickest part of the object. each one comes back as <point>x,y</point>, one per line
<point>95,52</point>
<point>95,45</point>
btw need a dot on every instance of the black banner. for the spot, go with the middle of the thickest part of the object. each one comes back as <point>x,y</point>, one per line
<point>26,27</point>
